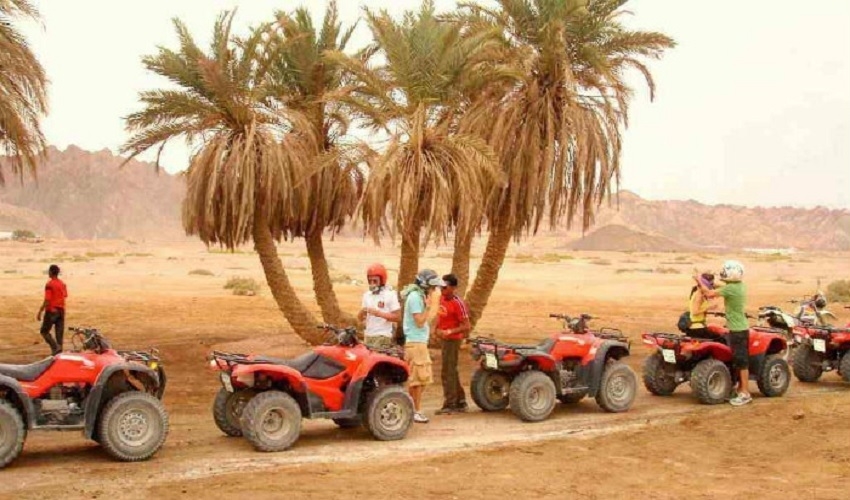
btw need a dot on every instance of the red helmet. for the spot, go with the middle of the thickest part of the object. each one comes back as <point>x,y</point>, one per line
<point>377,270</point>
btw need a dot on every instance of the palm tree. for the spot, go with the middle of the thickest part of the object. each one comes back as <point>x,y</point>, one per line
<point>242,177</point>
<point>307,81</point>
<point>428,169</point>
<point>557,125</point>
<point>23,95</point>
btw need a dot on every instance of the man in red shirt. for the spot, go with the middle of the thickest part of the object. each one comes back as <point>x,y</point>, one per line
<point>53,308</point>
<point>452,327</point>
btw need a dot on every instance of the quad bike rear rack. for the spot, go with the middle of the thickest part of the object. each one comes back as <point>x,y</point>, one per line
<point>504,346</point>
<point>609,333</point>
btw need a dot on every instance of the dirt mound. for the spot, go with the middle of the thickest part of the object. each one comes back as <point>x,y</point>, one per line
<point>616,237</point>
<point>13,217</point>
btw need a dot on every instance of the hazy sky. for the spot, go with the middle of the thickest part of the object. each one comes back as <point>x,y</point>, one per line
<point>752,107</point>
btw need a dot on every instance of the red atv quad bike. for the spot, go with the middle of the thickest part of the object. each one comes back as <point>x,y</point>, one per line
<point>568,366</point>
<point>821,349</point>
<point>264,398</point>
<point>114,397</point>
<point>707,363</point>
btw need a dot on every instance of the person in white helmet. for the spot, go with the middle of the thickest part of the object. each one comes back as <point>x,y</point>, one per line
<point>734,295</point>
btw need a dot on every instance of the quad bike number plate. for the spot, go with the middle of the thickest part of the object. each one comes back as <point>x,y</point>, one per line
<point>490,361</point>
<point>225,381</point>
<point>819,345</point>
<point>669,355</point>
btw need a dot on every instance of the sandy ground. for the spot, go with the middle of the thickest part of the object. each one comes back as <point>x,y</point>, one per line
<point>141,294</point>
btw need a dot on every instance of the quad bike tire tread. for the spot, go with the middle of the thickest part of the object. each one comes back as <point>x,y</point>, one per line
<point>655,379</point>
<point>107,422</point>
<point>14,435</point>
<point>520,387</point>
<point>844,366</point>
<point>374,404</point>
<point>251,420</point>
<point>220,412</point>
<point>764,377</point>
<point>478,388</point>
<point>802,363</point>
<point>605,400</point>
<point>700,376</point>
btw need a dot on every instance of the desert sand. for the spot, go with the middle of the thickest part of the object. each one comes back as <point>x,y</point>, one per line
<point>142,294</point>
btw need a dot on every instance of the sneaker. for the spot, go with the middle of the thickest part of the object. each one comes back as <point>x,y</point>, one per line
<point>446,410</point>
<point>420,418</point>
<point>741,400</point>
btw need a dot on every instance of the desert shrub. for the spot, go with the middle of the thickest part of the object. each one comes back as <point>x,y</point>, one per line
<point>80,258</point>
<point>341,278</point>
<point>242,286</point>
<point>138,254</point>
<point>10,271</point>
<point>838,291</point>
<point>94,255</point>
<point>22,234</point>
<point>783,279</point>
<point>667,270</point>
<point>601,262</point>
<point>623,270</point>
<point>201,272</point>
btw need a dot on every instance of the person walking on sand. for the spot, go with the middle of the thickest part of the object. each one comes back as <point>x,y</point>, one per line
<point>734,295</point>
<point>53,309</point>
<point>421,303</point>
<point>380,309</point>
<point>452,327</point>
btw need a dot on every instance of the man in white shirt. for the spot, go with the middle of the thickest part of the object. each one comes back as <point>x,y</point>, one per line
<point>380,309</point>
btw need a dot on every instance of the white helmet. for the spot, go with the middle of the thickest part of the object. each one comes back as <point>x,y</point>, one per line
<point>732,271</point>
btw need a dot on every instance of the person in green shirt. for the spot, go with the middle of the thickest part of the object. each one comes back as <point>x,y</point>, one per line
<point>734,295</point>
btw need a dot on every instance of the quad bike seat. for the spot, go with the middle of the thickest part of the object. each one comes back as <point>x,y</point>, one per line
<point>26,373</point>
<point>301,363</point>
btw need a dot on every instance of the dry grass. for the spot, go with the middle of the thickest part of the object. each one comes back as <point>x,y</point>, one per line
<point>242,286</point>
<point>201,272</point>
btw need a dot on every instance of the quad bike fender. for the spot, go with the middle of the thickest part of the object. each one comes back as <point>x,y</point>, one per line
<point>11,390</point>
<point>594,362</point>
<point>542,362</point>
<point>137,376</point>
<point>383,370</point>
<point>706,349</point>
<point>762,343</point>
<point>278,373</point>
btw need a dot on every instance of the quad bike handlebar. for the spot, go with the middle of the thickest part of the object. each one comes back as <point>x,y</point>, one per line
<point>723,314</point>
<point>576,324</point>
<point>346,336</point>
<point>88,339</point>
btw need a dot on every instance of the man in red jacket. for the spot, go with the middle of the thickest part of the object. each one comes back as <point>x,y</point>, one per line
<point>53,308</point>
<point>452,327</point>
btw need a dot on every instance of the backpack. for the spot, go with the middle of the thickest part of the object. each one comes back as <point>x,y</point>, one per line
<point>684,322</point>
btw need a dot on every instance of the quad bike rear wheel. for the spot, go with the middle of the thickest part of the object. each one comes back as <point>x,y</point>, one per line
<point>490,389</point>
<point>12,433</point>
<point>227,410</point>
<point>656,378</point>
<point>271,421</point>
<point>807,364</point>
<point>532,396</point>
<point>618,387</point>
<point>711,381</point>
<point>844,366</point>
<point>774,377</point>
<point>389,413</point>
<point>133,426</point>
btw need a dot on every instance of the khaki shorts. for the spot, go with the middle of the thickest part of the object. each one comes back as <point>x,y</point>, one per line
<point>378,342</point>
<point>419,359</point>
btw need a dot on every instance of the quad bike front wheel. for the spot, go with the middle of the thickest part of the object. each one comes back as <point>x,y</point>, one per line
<point>774,377</point>
<point>271,421</point>
<point>656,378</point>
<point>12,433</point>
<point>807,363</point>
<point>133,426</point>
<point>618,387</point>
<point>532,396</point>
<point>389,413</point>
<point>227,410</point>
<point>490,389</point>
<point>711,381</point>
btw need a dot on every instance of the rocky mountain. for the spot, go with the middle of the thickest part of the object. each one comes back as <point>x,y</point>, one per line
<point>88,195</point>
<point>85,195</point>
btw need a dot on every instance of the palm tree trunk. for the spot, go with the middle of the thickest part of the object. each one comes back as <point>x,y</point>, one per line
<point>409,265</point>
<point>322,285</point>
<point>301,320</point>
<point>488,272</point>
<point>460,260</point>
